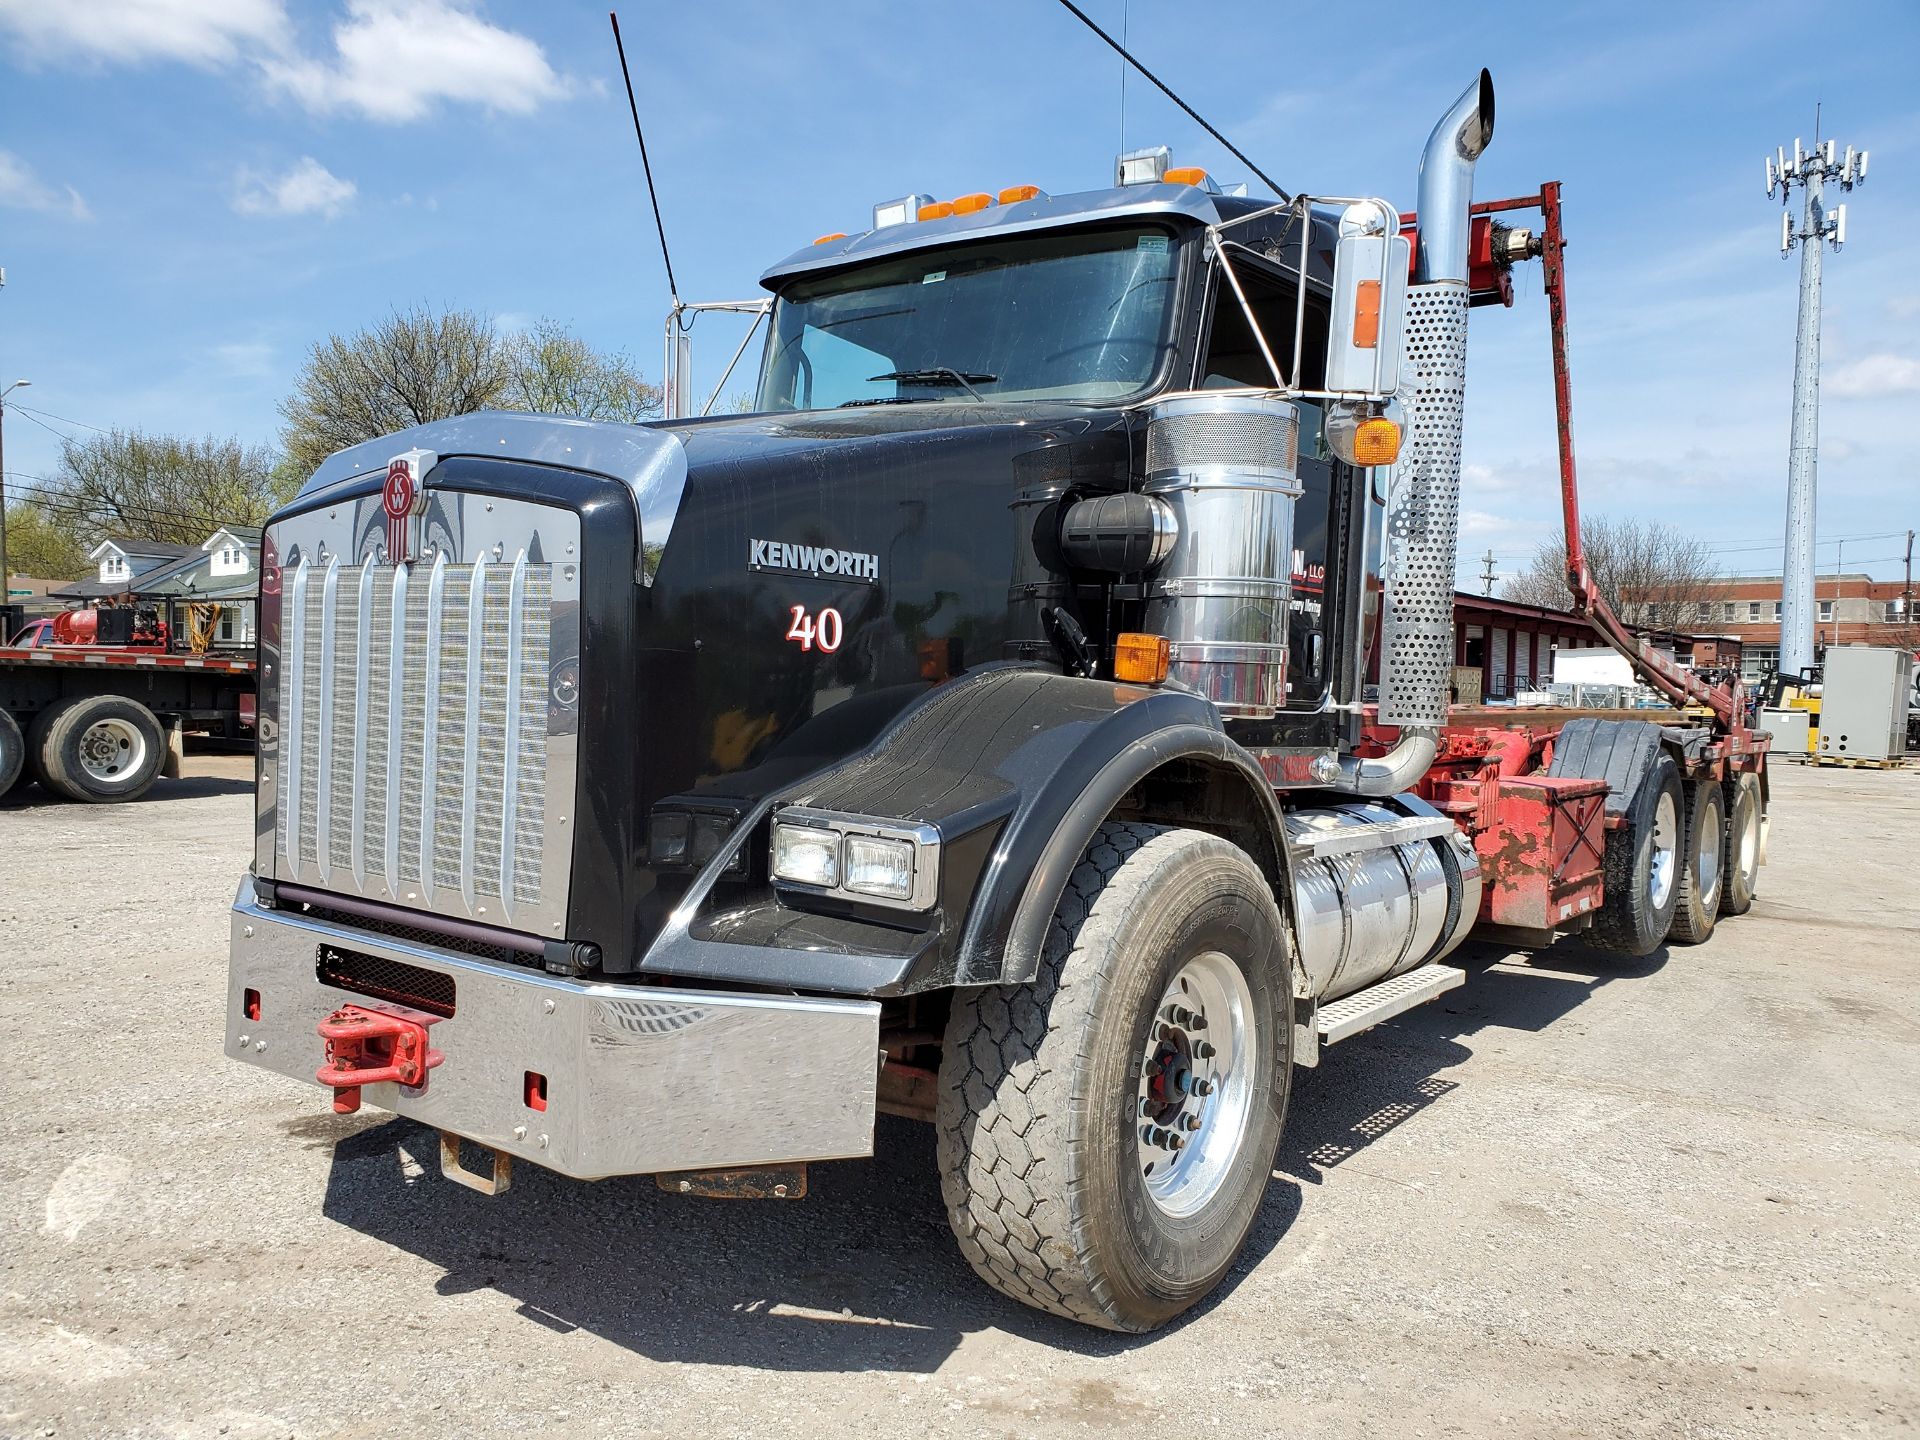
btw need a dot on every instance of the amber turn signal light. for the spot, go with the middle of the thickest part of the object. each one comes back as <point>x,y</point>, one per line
<point>1185,175</point>
<point>1376,441</point>
<point>968,204</point>
<point>1014,194</point>
<point>1141,659</point>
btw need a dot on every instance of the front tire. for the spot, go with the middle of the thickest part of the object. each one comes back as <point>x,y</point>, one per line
<point>1084,1170</point>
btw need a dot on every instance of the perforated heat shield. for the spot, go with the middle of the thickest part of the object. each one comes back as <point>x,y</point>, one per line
<point>1423,529</point>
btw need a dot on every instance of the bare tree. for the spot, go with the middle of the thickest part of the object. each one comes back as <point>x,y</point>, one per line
<point>416,365</point>
<point>419,365</point>
<point>1652,574</point>
<point>161,487</point>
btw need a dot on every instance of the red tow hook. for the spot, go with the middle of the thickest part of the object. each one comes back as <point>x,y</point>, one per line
<point>365,1047</point>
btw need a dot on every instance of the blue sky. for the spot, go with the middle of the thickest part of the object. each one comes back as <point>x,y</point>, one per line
<point>192,191</point>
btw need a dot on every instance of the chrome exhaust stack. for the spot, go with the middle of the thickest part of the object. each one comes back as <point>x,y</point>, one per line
<point>1416,629</point>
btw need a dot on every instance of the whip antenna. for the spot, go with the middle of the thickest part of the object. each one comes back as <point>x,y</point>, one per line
<point>653,194</point>
<point>1194,114</point>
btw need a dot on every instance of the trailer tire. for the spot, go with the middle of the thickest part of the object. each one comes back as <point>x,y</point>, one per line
<point>1703,873</point>
<point>100,749</point>
<point>1741,862</point>
<point>1641,886</point>
<point>13,752</point>
<point>1049,1091</point>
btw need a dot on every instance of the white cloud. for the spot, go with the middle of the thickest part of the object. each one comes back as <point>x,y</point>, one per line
<point>206,33</point>
<point>21,189</point>
<point>394,59</point>
<point>308,188</point>
<point>1872,376</point>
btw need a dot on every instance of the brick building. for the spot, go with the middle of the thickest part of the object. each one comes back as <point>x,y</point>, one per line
<point>1848,610</point>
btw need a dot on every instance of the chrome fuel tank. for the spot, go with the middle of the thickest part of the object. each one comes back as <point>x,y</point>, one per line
<point>1378,889</point>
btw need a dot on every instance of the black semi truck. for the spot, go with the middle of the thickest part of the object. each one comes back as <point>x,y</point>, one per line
<point>977,732</point>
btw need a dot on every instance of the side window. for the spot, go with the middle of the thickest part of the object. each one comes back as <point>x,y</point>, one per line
<point>1233,355</point>
<point>836,366</point>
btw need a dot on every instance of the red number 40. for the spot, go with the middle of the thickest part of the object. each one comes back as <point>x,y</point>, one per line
<point>822,630</point>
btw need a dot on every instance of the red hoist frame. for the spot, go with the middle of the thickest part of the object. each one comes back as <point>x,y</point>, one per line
<point>1541,838</point>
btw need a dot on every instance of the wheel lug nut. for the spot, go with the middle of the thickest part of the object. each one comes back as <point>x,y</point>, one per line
<point>1203,1051</point>
<point>1146,1107</point>
<point>1203,1088</point>
<point>1189,1123</point>
<point>1175,1142</point>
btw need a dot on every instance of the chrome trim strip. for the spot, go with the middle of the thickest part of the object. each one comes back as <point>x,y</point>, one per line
<point>430,727</point>
<point>510,760</point>
<point>469,799</point>
<point>323,762</point>
<point>293,717</point>
<point>396,717</point>
<point>357,805</point>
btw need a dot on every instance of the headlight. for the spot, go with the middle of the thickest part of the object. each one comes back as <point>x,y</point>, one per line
<point>877,866</point>
<point>885,862</point>
<point>806,855</point>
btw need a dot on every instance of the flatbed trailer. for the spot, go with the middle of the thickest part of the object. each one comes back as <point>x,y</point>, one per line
<point>99,724</point>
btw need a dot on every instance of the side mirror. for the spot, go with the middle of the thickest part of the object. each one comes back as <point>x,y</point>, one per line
<point>1366,335</point>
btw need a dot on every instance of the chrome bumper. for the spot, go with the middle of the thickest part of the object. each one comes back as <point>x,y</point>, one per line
<point>640,1080</point>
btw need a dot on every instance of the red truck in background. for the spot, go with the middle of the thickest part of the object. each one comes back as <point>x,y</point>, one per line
<point>95,704</point>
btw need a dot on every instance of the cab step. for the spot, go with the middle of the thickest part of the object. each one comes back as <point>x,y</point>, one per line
<point>1367,1008</point>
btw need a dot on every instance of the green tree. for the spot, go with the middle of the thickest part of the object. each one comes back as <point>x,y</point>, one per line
<point>421,364</point>
<point>554,372</point>
<point>40,546</point>
<point>162,487</point>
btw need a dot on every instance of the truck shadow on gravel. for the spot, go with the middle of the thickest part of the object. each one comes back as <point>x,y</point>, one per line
<point>863,1274</point>
<point>197,787</point>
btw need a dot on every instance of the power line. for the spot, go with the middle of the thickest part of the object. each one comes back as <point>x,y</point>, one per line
<point>61,418</point>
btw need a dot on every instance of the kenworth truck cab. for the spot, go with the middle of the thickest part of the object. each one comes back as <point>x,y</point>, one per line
<point>978,731</point>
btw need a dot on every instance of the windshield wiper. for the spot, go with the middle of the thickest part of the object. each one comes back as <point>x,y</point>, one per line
<point>941,375</point>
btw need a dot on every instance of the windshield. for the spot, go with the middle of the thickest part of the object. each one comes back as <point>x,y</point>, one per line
<point>1082,315</point>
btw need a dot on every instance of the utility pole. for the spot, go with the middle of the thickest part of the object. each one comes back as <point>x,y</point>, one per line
<point>1487,575</point>
<point>6,585</point>
<point>1818,228</point>
<point>1906,594</point>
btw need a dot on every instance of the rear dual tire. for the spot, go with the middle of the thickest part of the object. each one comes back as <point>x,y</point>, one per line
<point>97,750</point>
<point>1643,860</point>
<point>13,752</point>
<point>1703,873</point>
<point>1059,1099</point>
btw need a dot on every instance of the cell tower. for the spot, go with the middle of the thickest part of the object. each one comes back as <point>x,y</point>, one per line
<point>1811,170</point>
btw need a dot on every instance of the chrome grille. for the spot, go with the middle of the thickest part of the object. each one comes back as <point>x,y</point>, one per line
<point>413,735</point>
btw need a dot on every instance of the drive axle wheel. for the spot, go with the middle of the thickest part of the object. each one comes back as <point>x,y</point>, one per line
<point>1643,861</point>
<point>1701,875</point>
<point>1106,1132</point>
<point>1740,865</point>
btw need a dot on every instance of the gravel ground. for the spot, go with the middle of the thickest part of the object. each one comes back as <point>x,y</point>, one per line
<point>1672,1197</point>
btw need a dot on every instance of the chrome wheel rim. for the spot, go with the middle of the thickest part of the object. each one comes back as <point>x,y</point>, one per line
<point>112,750</point>
<point>1195,1099</point>
<point>1666,843</point>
